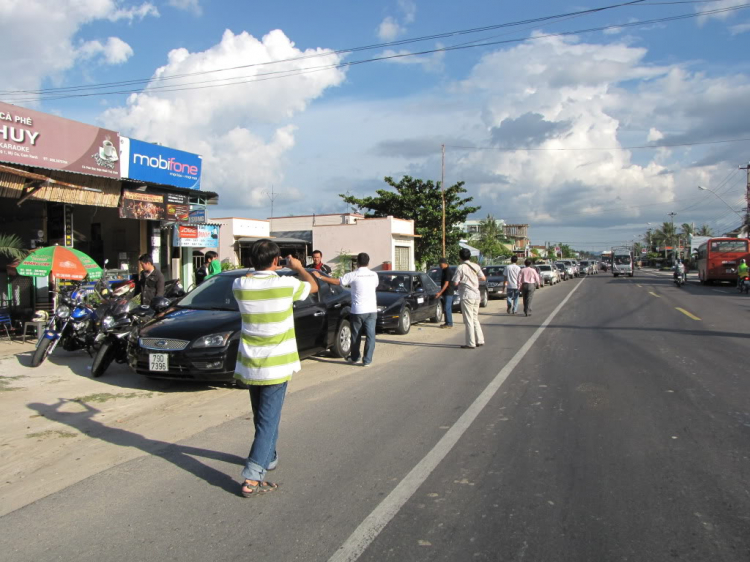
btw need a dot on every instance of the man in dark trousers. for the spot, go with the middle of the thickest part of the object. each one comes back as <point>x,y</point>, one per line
<point>150,282</point>
<point>446,293</point>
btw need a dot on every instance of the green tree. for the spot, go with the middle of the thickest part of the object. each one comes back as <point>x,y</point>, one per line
<point>11,247</point>
<point>687,230</point>
<point>704,230</point>
<point>566,250</point>
<point>421,201</point>
<point>488,240</point>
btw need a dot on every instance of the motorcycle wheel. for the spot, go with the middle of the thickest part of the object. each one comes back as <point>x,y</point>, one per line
<point>103,359</point>
<point>40,353</point>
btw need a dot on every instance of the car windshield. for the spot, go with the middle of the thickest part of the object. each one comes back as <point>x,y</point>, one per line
<point>493,270</point>
<point>622,260</point>
<point>584,263</point>
<point>213,294</point>
<point>545,268</point>
<point>729,245</point>
<point>560,266</point>
<point>394,283</point>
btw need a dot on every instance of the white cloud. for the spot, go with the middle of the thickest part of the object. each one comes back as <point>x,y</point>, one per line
<point>408,9</point>
<point>187,5</point>
<point>55,24</point>
<point>389,29</point>
<point>114,51</point>
<point>739,28</point>
<point>242,131</point>
<point>433,62</point>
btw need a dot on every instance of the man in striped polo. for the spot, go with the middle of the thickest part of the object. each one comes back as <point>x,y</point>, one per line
<point>267,356</point>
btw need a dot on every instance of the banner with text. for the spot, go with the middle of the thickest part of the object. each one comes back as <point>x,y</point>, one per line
<point>159,164</point>
<point>197,236</point>
<point>154,205</point>
<point>38,139</point>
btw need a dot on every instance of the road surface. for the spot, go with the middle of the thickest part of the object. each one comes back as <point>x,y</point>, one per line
<point>613,424</point>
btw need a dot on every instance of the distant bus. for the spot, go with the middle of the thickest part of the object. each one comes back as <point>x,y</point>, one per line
<point>606,261</point>
<point>718,259</point>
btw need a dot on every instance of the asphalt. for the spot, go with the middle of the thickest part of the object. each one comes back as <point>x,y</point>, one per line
<point>621,434</point>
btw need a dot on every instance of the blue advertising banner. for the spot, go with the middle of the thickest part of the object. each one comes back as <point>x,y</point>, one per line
<point>196,236</point>
<point>159,164</point>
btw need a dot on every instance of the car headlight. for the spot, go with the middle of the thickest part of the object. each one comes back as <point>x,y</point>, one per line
<point>107,322</point>
<point>382,308</point>
<point>212,340</point>
<point>63,311</point>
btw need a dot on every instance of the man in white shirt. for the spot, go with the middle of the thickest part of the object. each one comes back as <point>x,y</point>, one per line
<point>364,315</point>
<point>467,279</point>
<point>511,287</point>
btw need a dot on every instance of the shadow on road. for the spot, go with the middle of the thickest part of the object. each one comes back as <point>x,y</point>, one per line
<point>417,344</point>
<point>179,455</point>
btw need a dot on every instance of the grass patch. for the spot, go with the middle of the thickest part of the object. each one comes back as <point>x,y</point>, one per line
<point>107,396</point>
<point>5,383</point>
<point>51,433</point>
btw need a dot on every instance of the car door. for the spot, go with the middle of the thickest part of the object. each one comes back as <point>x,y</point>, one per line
<point>420,298</point>
<point>310,325</point>
<point>431,290</point>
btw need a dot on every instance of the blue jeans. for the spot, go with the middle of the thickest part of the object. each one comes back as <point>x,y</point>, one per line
<point>266,401</point>
<point>448,309</point>
<point>363,323</point>
<point>512,298</point>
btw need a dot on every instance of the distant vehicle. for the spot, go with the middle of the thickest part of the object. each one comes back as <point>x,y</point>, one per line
<point>436,273</point>
<point>622,262</point>
<point>584,268</point>
<point>606,263</point>
<point>565,272</point>
<point>406,297</point>
<point>718,259</point>
<point>573,267</point>
<point>549,274</point>
<point>495,275</point>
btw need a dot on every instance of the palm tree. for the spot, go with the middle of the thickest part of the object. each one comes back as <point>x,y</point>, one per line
<point>704,230</point>
<point>11,247</point>
<point>687,229</point>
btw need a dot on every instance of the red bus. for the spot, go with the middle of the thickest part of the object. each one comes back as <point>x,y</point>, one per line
<point>718,259</point>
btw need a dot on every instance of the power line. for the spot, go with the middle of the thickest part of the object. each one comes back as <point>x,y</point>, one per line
<point>645,146</point>
<point>296,72</point>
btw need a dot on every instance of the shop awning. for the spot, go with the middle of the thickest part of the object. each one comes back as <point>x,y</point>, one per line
<point>472,249</point>
<point>251,239</point>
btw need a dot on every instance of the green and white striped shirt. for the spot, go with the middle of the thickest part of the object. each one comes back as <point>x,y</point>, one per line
<point>268,347</point>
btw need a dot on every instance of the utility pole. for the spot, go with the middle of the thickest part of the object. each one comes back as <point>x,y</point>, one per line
<point>272,196</point>
<point>442,190</point>
<point>747,198</point>
<point>672,216</point>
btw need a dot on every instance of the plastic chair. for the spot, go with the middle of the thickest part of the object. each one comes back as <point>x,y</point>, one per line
<point>38,325</point>
<point>5,322</point>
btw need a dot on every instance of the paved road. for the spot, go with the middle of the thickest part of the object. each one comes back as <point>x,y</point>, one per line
<point>619,431</point>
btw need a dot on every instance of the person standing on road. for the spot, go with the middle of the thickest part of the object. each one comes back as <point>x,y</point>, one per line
<point>267,357</point>
<point>511,286</point>
<point>528,280</point>
<point>150,282</point>
<point>213,265</point>
<point>467,279</point>
<point>318,264</point>
<point>446,293</point>
<point>364,314</point>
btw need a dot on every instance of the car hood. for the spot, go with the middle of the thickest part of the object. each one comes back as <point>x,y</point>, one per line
<point>189,323</point>
<point>388,299</point>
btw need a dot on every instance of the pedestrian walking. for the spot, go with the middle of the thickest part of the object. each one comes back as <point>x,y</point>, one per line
<point>150,281</point>
<point>213,264</point>
<point>528,280</point>
<point>364,314</point>
<point>267,356</point>
<point>467,279</point>
<point>318,264</point>
<point>510,285</point>
<point>447,293</point>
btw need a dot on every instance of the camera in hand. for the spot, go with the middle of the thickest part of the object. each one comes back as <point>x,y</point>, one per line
<point>283,262</point>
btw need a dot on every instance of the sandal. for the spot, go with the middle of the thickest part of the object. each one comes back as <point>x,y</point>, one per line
<point>257,489</point>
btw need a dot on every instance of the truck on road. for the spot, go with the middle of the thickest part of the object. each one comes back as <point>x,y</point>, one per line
<point>622,261</point>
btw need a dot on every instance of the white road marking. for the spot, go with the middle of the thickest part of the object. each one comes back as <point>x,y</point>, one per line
<point>719,291</point>
<point>374,523</point>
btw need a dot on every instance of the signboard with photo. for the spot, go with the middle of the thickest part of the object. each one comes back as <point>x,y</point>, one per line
<point>197,236</point>
<point>142,205</point>
<point>38,139</point>
<point>177,207</point>
<point>154,163</point>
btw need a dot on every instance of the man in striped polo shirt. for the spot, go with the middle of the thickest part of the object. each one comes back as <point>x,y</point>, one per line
<point>267,356</point>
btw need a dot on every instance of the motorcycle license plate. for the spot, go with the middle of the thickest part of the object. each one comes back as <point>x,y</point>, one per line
<point>158,362</point>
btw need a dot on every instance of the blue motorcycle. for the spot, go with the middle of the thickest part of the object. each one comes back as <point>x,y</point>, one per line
<point>71,326</point>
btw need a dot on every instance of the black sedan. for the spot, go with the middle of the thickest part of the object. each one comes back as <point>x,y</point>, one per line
<point>406,297</point>
<point>436,273</point>
<point>198,338</point>
<point>495,275</point>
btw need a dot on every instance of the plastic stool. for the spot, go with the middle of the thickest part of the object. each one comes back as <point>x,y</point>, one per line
<point>39,328</point>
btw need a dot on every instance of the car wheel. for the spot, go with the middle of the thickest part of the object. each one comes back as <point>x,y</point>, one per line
<point>438,318</point>
<point>484,299</point>
<point>404,322</point>
<point>343,343</point>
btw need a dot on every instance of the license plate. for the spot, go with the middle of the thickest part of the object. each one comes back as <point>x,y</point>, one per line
<point>730,271</point>
<point>158,361</point>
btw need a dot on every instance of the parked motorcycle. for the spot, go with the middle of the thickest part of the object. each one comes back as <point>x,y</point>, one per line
<point>121,324</point>
<point>71,326</point>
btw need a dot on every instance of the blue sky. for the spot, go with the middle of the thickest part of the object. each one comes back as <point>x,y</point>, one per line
<point>313,135</point>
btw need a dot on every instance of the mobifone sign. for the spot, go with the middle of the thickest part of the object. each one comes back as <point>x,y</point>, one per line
<point>159,164</point>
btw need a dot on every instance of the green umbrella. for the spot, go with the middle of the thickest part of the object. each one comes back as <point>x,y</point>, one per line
<point>61,262</point>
